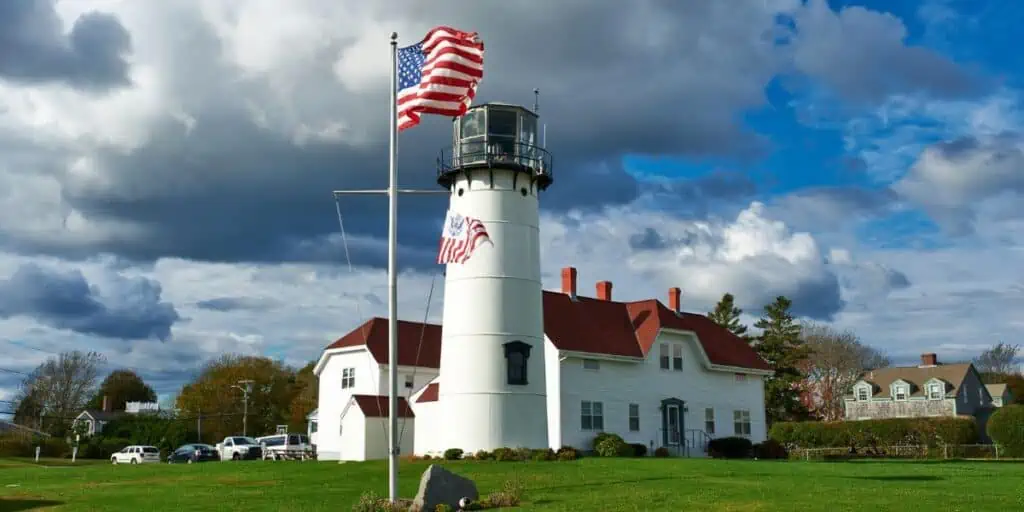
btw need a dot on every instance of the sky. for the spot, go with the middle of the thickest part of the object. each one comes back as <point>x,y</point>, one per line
<point>166,168</point>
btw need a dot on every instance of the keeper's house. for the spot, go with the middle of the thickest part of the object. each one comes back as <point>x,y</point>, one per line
<point>650,373</point>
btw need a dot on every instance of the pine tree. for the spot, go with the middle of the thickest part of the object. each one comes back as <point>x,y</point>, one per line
<point>781,346</point>
<point>727,315</point>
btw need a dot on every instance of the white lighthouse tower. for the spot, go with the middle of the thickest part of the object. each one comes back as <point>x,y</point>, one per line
<point>492,391</point>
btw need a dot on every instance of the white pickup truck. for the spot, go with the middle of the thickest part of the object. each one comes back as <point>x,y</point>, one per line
<point>239,448</point>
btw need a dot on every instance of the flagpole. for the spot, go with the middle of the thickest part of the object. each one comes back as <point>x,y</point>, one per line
<point>393,281</point>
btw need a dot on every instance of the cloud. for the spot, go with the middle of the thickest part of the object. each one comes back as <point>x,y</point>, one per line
<point>35,49</point>
<point>950,178</point>
<point>130,308</point>
<point>228,304</point>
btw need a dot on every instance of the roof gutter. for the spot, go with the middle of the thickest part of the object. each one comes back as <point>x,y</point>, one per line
<point>605,357</point>
<point>319,367</point>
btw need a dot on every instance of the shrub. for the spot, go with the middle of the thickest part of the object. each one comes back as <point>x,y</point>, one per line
<point>613,446</point>
<point>543,455</point>
<point>443,507</point>
<point>483,455</point>
<point>509,496</point>
<point>370,502</point>
<point>504,454</point>
<point>522,453</point>
<point>601,436</point>
<point>770,449</point>
<point>453,454</point>
<point>730,447</point>
<point>859,435</point>
<point>662,452</point>
<point>1006,428</point>
<point>567,453</point>
<point>639,449</point>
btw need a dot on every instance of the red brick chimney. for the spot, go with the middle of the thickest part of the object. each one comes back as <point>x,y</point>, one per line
<point>604,290</point>
<point>929,360</point>
<point>674,296</point>
<point>106,404</point>
<point>569,281</point>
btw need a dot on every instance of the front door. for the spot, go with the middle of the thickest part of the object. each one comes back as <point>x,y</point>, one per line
<point>672,419</point>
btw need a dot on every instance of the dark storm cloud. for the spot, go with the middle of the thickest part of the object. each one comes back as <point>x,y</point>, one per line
<point>657,77</point>
<point>34,48</point>
<point>131,309</point>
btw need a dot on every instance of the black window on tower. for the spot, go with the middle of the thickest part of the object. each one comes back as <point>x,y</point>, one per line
<point>516,355</point>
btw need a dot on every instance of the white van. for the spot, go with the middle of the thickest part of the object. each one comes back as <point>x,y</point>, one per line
<point>286,446</point>
<point>136,455</point>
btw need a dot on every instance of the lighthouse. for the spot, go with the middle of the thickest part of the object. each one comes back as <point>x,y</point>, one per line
<point>492,383</point>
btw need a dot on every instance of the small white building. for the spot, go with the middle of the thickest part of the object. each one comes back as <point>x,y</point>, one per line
<point>648,372</point>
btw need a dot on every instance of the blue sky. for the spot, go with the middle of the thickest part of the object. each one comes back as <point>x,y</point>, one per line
<point>165,198</point>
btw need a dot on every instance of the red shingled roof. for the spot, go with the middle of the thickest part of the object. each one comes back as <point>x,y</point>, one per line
<point>377,406</point>
<point>374,334</point>
<point>582,324</point>
<point>430,394</point>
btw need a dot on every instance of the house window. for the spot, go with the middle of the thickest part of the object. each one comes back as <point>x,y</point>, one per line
<point>591,415</point>
<point>741,422</point>
<point>677,357</point>
<point>741,377</point>
<point>709,421</point>
<point>634,417</point>
<point>862,394</point>
<point>312,427</point>
<point>591,364</point>
<point>516,355</point>
<point>348,378</point>
<point>663,355</point>
<point>935,391</point>
<point>408,382</point>
<point>901,393</point>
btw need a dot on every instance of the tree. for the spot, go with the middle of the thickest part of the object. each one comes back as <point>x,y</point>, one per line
<point>120,387</point>
<point>834,362</point>
<point>58,389</point>
<point>727,315</point>
<point>780,345</point>
<point>307,389</point>
<point>212,395</point>
<point>998,359</point>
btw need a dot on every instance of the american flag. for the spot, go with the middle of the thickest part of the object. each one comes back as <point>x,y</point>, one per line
<point>460,238</point>
<point>438,75</point>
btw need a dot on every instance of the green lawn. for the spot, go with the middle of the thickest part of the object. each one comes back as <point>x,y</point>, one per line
<point>588,485</point>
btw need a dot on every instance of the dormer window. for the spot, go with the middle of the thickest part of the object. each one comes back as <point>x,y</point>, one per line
<point>862,394</point>
<point>935,391</point>
<point>900,393</point>
<point>516,355</point>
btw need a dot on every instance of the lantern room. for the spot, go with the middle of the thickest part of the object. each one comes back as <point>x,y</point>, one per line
<point>496,136</point>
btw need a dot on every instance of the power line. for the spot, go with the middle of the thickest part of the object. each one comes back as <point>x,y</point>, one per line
<point>13,371</point>
<point>106,360</point>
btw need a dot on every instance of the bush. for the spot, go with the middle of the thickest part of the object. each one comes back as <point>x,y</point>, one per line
<point>730,448</point>
<point>601,436</point>
<point>613,446</point>
<point>858,435</point>
<point>509,496</point>
<point>505,454</point>
<point>662,452</point>
<point>567,453</point>
<point>100,447</point>
<point>770,449</point>
<point>543,455</point>
<point>453,454</point>
<point>1006,428</point>
<point>483,455</point>
<point>370,502</point>
<point>639,449</point>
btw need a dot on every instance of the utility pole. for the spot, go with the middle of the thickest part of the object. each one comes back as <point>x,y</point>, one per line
<point>246,387</point>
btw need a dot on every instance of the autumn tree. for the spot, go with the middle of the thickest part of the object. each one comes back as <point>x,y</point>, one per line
<point>212,394</point>
<point>120,387</point>
<point>58,389</point>
<point>834,362</point>
<point>780,345</point>
<point>998,359</point>
<point>306,392</point>
<point>727,314</point>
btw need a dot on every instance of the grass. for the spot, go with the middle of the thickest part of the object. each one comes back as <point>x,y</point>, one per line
<point>590,484</point>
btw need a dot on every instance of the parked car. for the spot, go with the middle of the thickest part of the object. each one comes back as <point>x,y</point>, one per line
<point>136,454</point>
<point>239,448</point>
<point>286,446</point>
<point>189,453</point>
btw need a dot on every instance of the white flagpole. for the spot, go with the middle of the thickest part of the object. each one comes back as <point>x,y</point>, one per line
<point>393,281</point>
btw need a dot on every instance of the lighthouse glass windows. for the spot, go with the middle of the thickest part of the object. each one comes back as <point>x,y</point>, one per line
<point>502,129</point>
<point>472,134</point>
<point>348,378</point>
<point>528,141</point>
<point>517,354</point>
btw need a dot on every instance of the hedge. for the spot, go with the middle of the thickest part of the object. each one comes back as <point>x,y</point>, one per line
<point>1006,428</point>
<point>871,433</point>
<point>730,448</point>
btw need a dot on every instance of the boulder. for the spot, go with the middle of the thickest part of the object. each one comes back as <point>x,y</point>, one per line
<point>438,485</point>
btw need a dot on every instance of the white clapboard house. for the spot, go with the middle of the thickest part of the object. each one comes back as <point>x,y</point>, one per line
<point>646,371</point>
